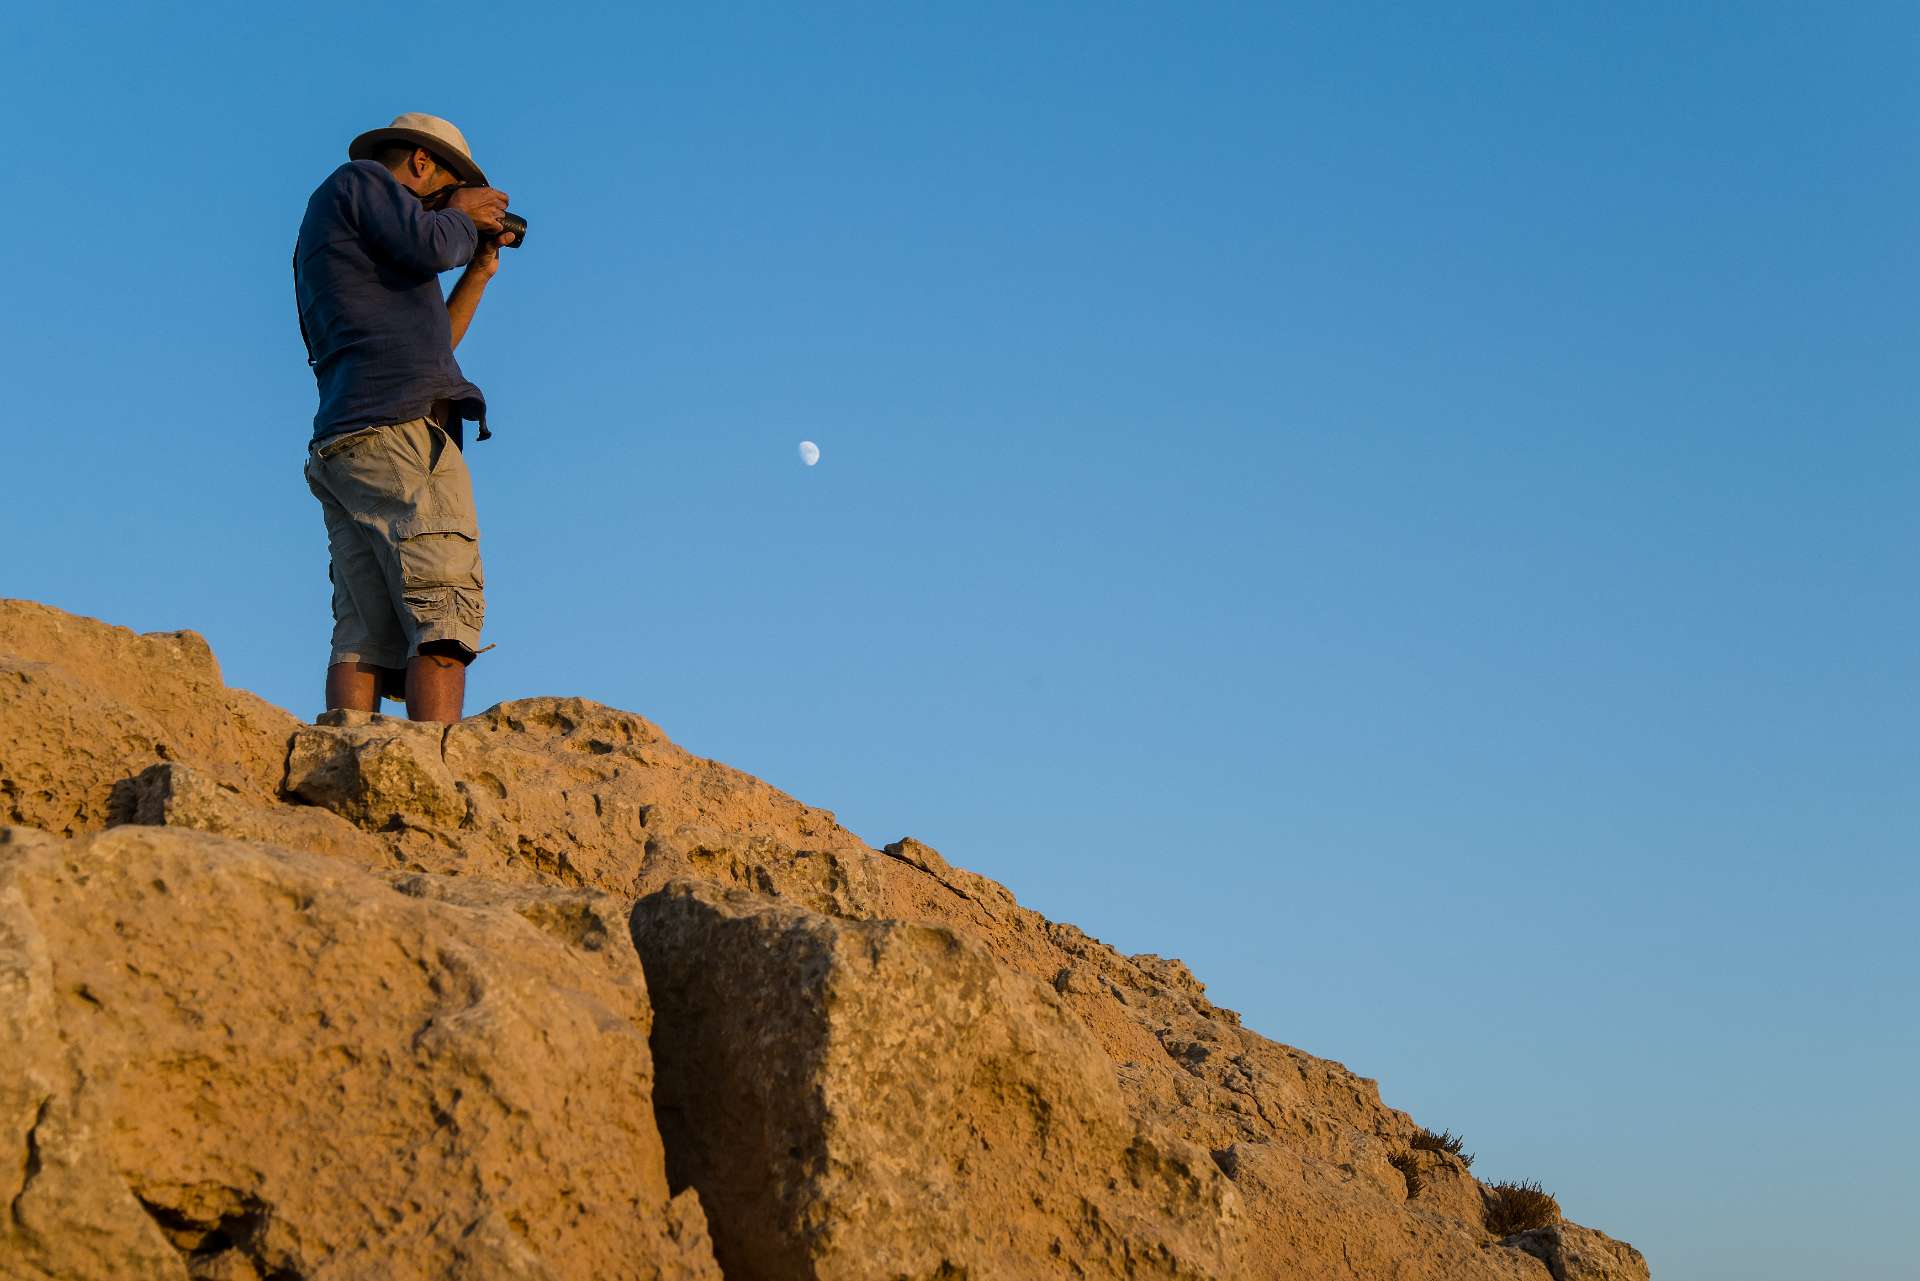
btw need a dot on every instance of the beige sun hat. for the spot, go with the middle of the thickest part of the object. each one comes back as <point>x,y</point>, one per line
<point>436,135</point>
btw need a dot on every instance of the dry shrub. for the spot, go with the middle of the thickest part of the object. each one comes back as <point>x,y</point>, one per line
<point>1409,1170</point>
<point>1445,1141</point>
<point>1519,1207</point>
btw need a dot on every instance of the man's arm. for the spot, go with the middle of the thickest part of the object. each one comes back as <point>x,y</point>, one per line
<point>465,299</point>
<point>422,240</point>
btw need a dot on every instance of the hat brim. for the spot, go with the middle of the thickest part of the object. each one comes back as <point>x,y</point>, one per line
<point>363,147</point>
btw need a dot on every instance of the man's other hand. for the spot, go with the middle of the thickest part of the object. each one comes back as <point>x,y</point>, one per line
<point>486,259</point>
<point>482,204</point>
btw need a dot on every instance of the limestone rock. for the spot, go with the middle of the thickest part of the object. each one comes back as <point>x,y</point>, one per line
<point>989,898</point>
<point>85,706</point>
<point>1574,1253</point>
<point>1311,1219</point>
<point>560,798</point>
<point>577,793</point>
<point>880,1099</point>
<point>1443,1186</point>
<point>174,795</point>
<point>236,1060</point>
<point>839,883</point>
<point>379,773</point>
<point>69,1212</point>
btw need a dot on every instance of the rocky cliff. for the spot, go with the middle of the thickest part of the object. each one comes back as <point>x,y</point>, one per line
<point>541,995</point>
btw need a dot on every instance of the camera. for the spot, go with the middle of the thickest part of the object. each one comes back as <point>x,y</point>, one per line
<point>508,221</point>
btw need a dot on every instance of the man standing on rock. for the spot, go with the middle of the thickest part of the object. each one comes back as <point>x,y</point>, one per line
<point>386,457</point>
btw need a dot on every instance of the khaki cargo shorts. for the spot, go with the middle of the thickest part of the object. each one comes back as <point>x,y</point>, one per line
<point>405,543</point>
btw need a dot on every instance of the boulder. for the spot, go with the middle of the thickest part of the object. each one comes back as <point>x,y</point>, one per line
<point>380,773</point>
<point>232,1060</point>
<point>881,1099</point>
<point>85,706</point>
<point>1574,1253</point>
<point>175,795</point>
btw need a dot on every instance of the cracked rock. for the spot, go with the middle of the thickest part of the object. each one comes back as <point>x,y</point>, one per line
<point>176,795</point>
<point>1574,1253</point>
<point>542,806</point>
<point>377,774</point>
<point>860,1099</point>
<point>226,1059</point>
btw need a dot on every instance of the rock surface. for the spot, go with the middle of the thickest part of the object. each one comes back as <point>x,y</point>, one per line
<point>1574,1253</point>
<point>85,707</point>
<point>876,1098</point>
<point>246,1061</point>
<point>561,801</point>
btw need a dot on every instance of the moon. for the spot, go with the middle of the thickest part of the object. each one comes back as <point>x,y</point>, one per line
<point>809,452</point>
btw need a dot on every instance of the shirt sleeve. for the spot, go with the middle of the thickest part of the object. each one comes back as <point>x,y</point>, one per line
<point>393,220</point>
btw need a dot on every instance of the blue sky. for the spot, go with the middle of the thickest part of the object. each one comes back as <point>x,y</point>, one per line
<point>1412,511</point>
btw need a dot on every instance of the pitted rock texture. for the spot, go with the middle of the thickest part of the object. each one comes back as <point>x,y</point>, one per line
<point>1313,1217</point>
<point>1574,1253</point>
<point>175,795</point>
<point>100,726</point>
<point>243,1061</point>
<point>1441,1185</point>
<point>848,1096</point>
<point>85,707</point>
<point>378,773</point>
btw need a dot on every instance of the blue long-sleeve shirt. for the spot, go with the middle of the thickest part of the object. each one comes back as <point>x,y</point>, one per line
<point>366,279</point>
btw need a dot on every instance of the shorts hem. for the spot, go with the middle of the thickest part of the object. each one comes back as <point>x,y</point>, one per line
<point>467,638</point>
<point>382,659</point>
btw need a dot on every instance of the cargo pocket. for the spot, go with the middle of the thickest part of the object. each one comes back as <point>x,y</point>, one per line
<point>441,577</point>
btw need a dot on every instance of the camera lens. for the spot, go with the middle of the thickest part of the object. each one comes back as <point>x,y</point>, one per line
<point>517,225</point>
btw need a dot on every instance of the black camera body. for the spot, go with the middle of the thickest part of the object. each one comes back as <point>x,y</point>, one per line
<point>508,221</point>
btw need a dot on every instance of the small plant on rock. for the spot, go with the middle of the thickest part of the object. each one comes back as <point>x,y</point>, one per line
<point>1445,1141</point>
<point>1409,1167</point>
<point>1519,1207</point>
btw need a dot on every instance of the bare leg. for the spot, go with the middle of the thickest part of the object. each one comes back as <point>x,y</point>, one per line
<point>354,686</point>
<point>436,687</point>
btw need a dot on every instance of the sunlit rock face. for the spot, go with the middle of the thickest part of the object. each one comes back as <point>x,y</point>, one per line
<point>283,1000</point>
<point>235,1059</point>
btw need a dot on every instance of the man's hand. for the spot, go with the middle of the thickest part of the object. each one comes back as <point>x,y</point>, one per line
<point>486,259</point>
<point>482,204</point>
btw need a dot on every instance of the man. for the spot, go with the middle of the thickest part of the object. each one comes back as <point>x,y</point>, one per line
<point>386,457</point>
